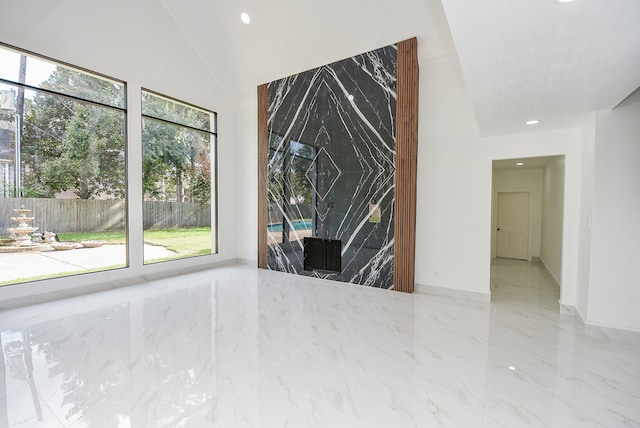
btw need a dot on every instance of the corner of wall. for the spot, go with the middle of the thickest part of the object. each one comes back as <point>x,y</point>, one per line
<point>612,292</point>
<point>246,179</point>
<point>584,220</point>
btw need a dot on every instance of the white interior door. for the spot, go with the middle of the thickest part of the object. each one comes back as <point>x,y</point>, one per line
<point>512,237</point>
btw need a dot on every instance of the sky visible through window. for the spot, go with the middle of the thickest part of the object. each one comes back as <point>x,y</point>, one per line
<point>38,70</point>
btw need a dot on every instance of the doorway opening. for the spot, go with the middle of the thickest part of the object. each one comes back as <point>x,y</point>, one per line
<point>527,222</point>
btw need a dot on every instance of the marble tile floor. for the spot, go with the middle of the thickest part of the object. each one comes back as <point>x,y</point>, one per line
<point>240,347</point>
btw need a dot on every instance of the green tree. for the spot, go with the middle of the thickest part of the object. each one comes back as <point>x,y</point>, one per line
<point>74,145</point>
<point>164,157</point>
<point>45,124</point>
<point>175,158</point>
<point>92,155</point>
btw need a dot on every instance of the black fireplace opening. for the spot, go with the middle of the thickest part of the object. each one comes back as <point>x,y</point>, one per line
<point>323,254</point>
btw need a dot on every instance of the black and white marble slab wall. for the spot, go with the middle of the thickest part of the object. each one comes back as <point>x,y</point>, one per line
<point>330,171</point>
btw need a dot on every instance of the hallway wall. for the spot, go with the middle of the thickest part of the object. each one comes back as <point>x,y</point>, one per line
<point>552,214</point>
<point>614,288</point>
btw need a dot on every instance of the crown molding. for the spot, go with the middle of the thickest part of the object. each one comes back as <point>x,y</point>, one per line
<point>435,51</point>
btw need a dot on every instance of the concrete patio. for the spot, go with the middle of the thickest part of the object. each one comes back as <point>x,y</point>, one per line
<point>24,265</point>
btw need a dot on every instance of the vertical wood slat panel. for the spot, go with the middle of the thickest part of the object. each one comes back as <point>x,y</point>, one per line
<point>263,148</point>
<point>406,166</point>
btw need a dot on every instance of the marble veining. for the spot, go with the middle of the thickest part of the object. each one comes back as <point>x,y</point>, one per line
<point>241,347</point>
<point>332,162</point>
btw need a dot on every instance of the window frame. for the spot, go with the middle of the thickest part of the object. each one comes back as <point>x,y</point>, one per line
<point>123,109</point>
<point>213,153</point>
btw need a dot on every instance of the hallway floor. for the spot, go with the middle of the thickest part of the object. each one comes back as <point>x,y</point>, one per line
<point>240,347</point>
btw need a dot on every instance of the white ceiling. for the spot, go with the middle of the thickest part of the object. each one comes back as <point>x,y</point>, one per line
<point>521,59</point>
<point>545,60</point>
<point>289,36</point>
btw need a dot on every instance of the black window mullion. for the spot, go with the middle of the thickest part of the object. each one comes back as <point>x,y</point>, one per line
<point>60,94</point>
<point>145,116</point>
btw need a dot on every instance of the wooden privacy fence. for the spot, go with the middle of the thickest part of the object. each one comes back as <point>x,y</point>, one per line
<point>82,215</point>
<point>163,215</point>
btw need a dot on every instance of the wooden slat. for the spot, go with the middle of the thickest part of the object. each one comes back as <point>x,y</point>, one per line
<point>263,148</point>
<point>406,166</point>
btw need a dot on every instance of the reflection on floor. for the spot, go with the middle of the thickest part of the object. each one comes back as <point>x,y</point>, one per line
<point>523,283</point>
<point>238,347</point>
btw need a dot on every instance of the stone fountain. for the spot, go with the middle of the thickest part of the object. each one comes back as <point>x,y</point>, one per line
<point>21,233</point>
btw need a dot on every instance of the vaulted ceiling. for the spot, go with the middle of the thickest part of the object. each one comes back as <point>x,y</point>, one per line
<point>290,36</point>
<point>520,59</point>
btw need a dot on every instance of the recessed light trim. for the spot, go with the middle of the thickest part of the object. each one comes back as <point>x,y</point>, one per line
<point>244,17</point>
<point>532,122</point>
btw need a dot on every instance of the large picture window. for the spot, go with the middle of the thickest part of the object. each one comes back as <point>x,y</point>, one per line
<point>62,169</point>
<point>178,167</point>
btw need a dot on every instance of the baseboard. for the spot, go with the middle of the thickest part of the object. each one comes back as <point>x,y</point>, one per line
<point>557,281</point>
<point>246,262</point>
<point>569,310</point>
<point>473,296</point>
<point>600,331</point>
<point>616,334</point>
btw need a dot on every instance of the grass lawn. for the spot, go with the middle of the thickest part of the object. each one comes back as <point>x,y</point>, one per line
<point>118,237</point>
<point>184,242</point>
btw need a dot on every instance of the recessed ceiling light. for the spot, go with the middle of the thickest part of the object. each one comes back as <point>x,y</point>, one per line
<point>532,122</point>
<point>512,368</point>
<point>350,97</point>
<point>519,164</point>
<point>565,1</point>
<point>245,17</point>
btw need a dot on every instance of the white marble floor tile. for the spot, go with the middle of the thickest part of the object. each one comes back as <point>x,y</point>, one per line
<point>240,347</point>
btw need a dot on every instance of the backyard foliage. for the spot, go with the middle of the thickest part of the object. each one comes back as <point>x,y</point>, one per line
<point>175,159</point>
<point>72,145</point>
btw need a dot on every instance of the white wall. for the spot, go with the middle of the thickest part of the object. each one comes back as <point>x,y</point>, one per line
<point>453,231</point>
<point>584,220</point>
<point>520,180</point>
<point>454,185</point>
<point>247,182</point>
<point>552,215</point>
<point>614,287</point>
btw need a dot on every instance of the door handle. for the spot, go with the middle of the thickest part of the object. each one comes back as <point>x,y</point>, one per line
<point>498,229</point>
